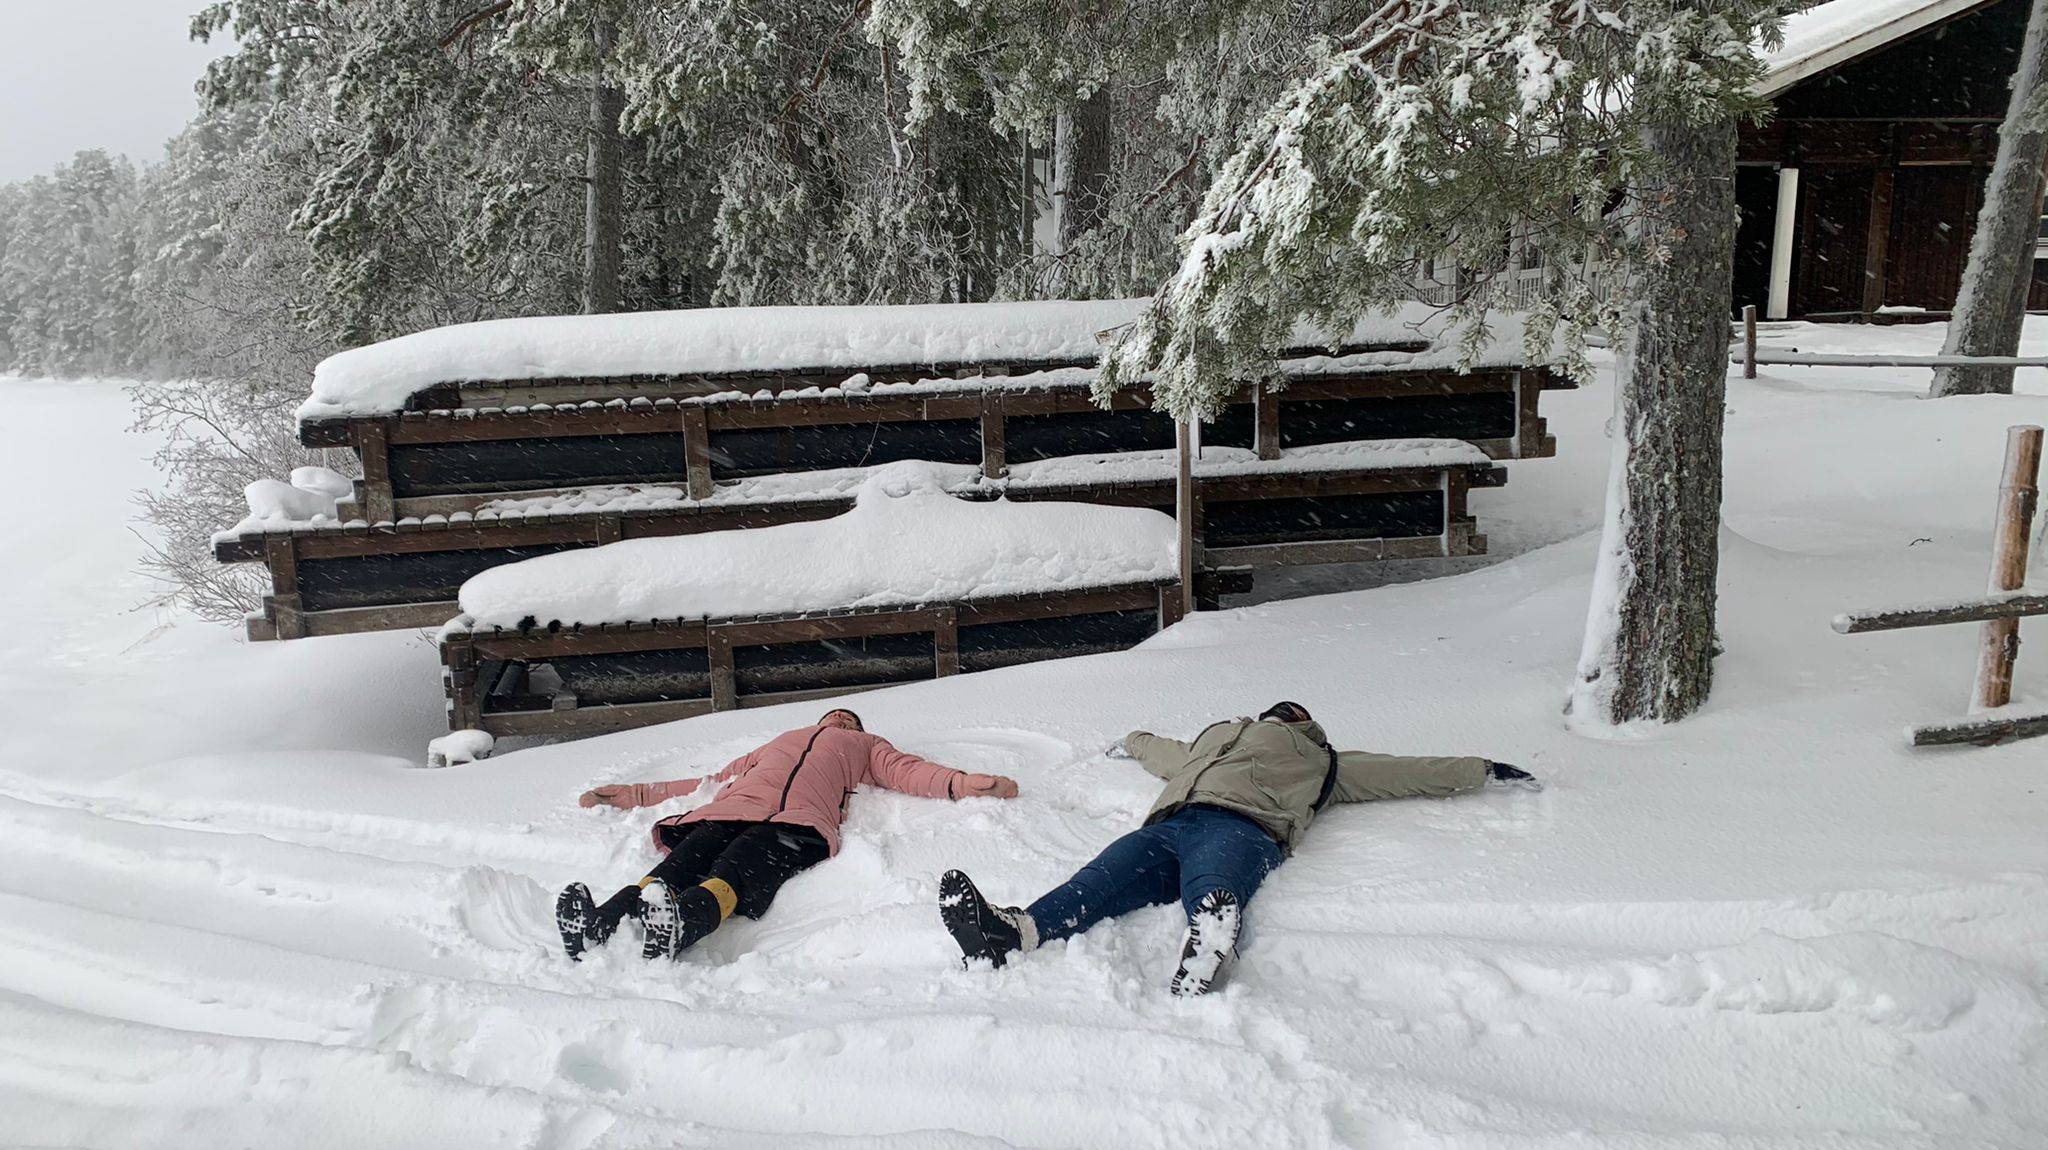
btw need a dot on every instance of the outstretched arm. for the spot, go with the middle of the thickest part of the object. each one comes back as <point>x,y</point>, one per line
<point>627,796</point>
<point>1158,754</point>
<point>905,772</point>
<point>1363,776</point>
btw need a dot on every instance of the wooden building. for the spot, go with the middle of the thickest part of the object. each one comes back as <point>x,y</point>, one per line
<point>1861,193</point>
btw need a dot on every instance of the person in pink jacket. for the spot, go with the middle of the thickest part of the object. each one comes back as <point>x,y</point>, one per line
<point>777,816</point>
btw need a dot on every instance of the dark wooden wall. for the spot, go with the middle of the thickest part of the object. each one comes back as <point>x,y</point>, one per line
<point>1892,151</point>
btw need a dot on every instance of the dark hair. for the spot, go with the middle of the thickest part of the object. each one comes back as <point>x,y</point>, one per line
<point>857,724</point>
<point>1286,712</point>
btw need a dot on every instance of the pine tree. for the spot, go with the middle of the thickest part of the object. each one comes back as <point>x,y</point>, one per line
<point>1436,127</point>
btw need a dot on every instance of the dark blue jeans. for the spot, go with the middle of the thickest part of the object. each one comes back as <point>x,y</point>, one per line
<point>1197,850</point>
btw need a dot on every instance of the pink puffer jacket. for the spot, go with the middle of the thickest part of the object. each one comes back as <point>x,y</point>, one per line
<point>804,777</point>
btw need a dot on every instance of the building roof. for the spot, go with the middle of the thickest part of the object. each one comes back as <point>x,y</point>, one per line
<point>1829,35</point>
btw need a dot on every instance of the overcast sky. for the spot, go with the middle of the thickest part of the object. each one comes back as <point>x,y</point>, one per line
<point>113,74</point>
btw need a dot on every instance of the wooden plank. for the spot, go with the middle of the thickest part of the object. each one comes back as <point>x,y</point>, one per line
<point>672,634</point>
<point>1017,608</point>
<point>392,617</point>
<point>1983,731</point>
<point>280,555</point>
<point>372,440</point>
<point>1173,604</point>
<point>593,720</point>
<point>1749,341</point>
<point>415,428</point>
<point>995,462</point>
<point>287,616</point>
<point>1876,243</point>
<point>465,702</point>
<point>1328,551</point>
<point>820,628</point>
<point>1185,511</point>
<point>2018,493</point>
<point>1935,615</point>
<point>946,642</point>
<point>724,680</point>
<point>697,453</point>
<point>1266,423</point>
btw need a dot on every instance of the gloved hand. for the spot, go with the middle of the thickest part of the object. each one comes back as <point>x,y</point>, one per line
<point>967,786</point>
<point>624,796</point>
<point>1116,750</point>
<point>1503,775</point>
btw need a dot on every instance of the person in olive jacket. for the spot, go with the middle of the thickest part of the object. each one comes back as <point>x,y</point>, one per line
<point>1238,799</point>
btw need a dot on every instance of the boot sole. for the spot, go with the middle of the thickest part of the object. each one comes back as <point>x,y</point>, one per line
<point>1212,933</point>
<point>660,920</point>
<point>961,907</point>
<point>573,911</point>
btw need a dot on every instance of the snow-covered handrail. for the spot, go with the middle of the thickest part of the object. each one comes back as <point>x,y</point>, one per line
<point>1832,359</point>
<point>2009,606</point>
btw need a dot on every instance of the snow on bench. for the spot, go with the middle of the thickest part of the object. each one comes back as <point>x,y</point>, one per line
<point>1340,502</point>
<point>381,378</point>
<point>907,540</point>
<point>912,583</point>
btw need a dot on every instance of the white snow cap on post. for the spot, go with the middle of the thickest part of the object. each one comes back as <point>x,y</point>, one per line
<point>906,541</point>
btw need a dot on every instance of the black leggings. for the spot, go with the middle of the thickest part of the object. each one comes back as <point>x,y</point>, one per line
<point>754,859</point>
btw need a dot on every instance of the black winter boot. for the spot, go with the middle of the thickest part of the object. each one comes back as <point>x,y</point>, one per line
<point>982,929</point>
<point>1211,944</point>
<point>575,915</point>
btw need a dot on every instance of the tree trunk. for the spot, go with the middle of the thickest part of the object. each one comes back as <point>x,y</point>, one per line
<point>1993,298</point>
<point>604,189</point>
<point>1649,644</point>
<point>1082,154</point>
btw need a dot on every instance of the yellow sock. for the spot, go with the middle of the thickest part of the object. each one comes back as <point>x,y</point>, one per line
<point>723,892</point>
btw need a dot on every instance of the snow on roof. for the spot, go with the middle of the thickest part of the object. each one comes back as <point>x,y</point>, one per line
<point>905,541</point>
<point>1829,35</point>
<point>381,377</point>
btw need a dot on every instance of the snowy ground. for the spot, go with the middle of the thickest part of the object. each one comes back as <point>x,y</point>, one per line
<point>232,912</point>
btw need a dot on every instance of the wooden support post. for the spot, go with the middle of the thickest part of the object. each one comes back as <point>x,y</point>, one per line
<point>282,606</point>
<point>995,464</point>
<point>697,452</point>
<point>1749,341</point>
<point>1172,605</point>
<point>946,642</point>
<point>1185,511</point>
<point>2018,495</point>
<point>725,694</point>
<point>1266,412</point>
<point>373,448</point>
<point>1877,235</point>
<point>465,695</point>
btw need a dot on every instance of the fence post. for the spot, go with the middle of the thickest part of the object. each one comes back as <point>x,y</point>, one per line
<point>1184,509</point>
<point>1999,645</point>
<point>1749,341</point>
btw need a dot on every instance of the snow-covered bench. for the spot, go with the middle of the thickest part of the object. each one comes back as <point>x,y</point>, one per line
<point>449,419</point>
<point>909,584</point>
<point>1329,503</point>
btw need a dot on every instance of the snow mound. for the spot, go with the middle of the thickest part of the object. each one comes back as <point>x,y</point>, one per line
<point>905,541</point>
<point>310,497</point>
<point>381,377</point>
